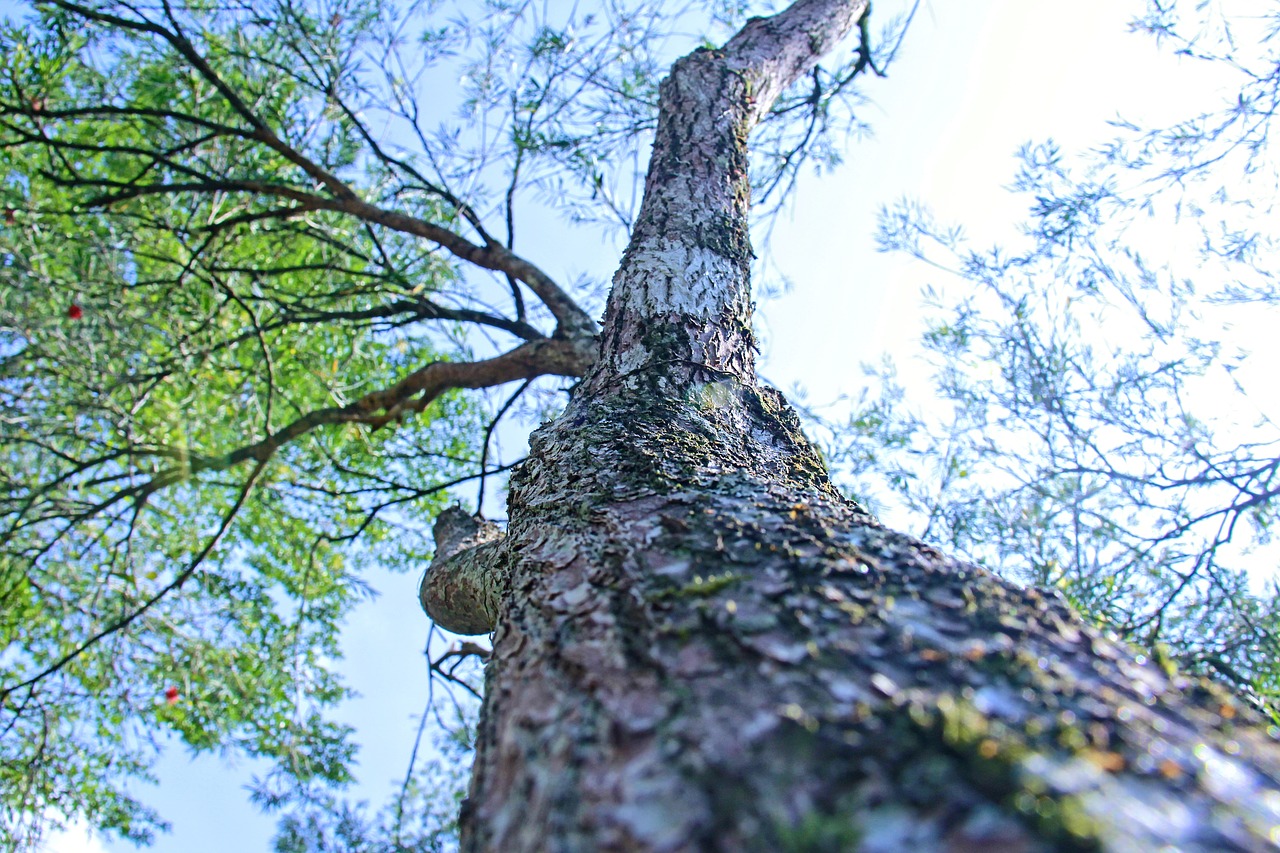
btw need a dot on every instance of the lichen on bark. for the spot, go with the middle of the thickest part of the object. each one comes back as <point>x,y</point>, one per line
<point>706,648</point>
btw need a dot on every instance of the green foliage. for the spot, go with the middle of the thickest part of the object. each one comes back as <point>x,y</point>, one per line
<point>819,833</point>
<point>154,575</point>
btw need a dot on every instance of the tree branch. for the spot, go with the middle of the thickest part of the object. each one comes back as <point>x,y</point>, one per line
<point>126,620</point>
<point>774,52</point>
<point>573,322</point>
<point>412,394</point>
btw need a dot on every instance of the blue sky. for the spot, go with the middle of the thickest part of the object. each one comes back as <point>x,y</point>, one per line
<point>974,80</point>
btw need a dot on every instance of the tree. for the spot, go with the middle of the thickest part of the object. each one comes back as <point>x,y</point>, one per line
<point>1104,431</point>
<point>700,644</point>
<point>197,339</point>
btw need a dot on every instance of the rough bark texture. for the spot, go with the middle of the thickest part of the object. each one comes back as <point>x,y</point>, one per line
<point>463,588</point>
<point>700,645</point>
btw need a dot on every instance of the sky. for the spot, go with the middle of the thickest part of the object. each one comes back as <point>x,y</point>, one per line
<point>973,82</point>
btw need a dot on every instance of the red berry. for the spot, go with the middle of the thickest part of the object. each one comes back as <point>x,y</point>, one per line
<point>171,695</point>
<point>75,312</point>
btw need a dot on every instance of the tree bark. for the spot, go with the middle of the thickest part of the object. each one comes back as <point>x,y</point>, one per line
<point>701,645</point>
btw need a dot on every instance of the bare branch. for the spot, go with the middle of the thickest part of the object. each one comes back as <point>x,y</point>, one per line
<point>412,394</point>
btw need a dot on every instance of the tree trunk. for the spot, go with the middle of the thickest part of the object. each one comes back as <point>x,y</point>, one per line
<point>700,645</point>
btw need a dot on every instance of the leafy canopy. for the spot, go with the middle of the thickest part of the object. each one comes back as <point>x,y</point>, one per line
<point>146,338</point>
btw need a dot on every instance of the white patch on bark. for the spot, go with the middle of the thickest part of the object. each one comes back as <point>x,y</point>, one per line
<point>665,275</point>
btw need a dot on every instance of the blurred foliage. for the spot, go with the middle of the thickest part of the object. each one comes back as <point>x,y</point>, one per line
<point>422,819</point>
<point>1101,423</point>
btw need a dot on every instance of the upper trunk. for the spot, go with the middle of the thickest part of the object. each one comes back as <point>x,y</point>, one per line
<point>681,301</point>
<point>700,645</point>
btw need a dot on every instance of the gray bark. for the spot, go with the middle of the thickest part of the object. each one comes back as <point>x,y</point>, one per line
<point>701,645</point>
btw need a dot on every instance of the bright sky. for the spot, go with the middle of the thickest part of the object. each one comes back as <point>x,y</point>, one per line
<point>975,80</point>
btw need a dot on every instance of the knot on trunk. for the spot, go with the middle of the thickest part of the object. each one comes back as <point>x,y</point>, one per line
<point>464,585</point>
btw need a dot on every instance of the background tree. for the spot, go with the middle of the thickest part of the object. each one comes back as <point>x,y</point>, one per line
<point>1104,424</point>
<point>699,641</point>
